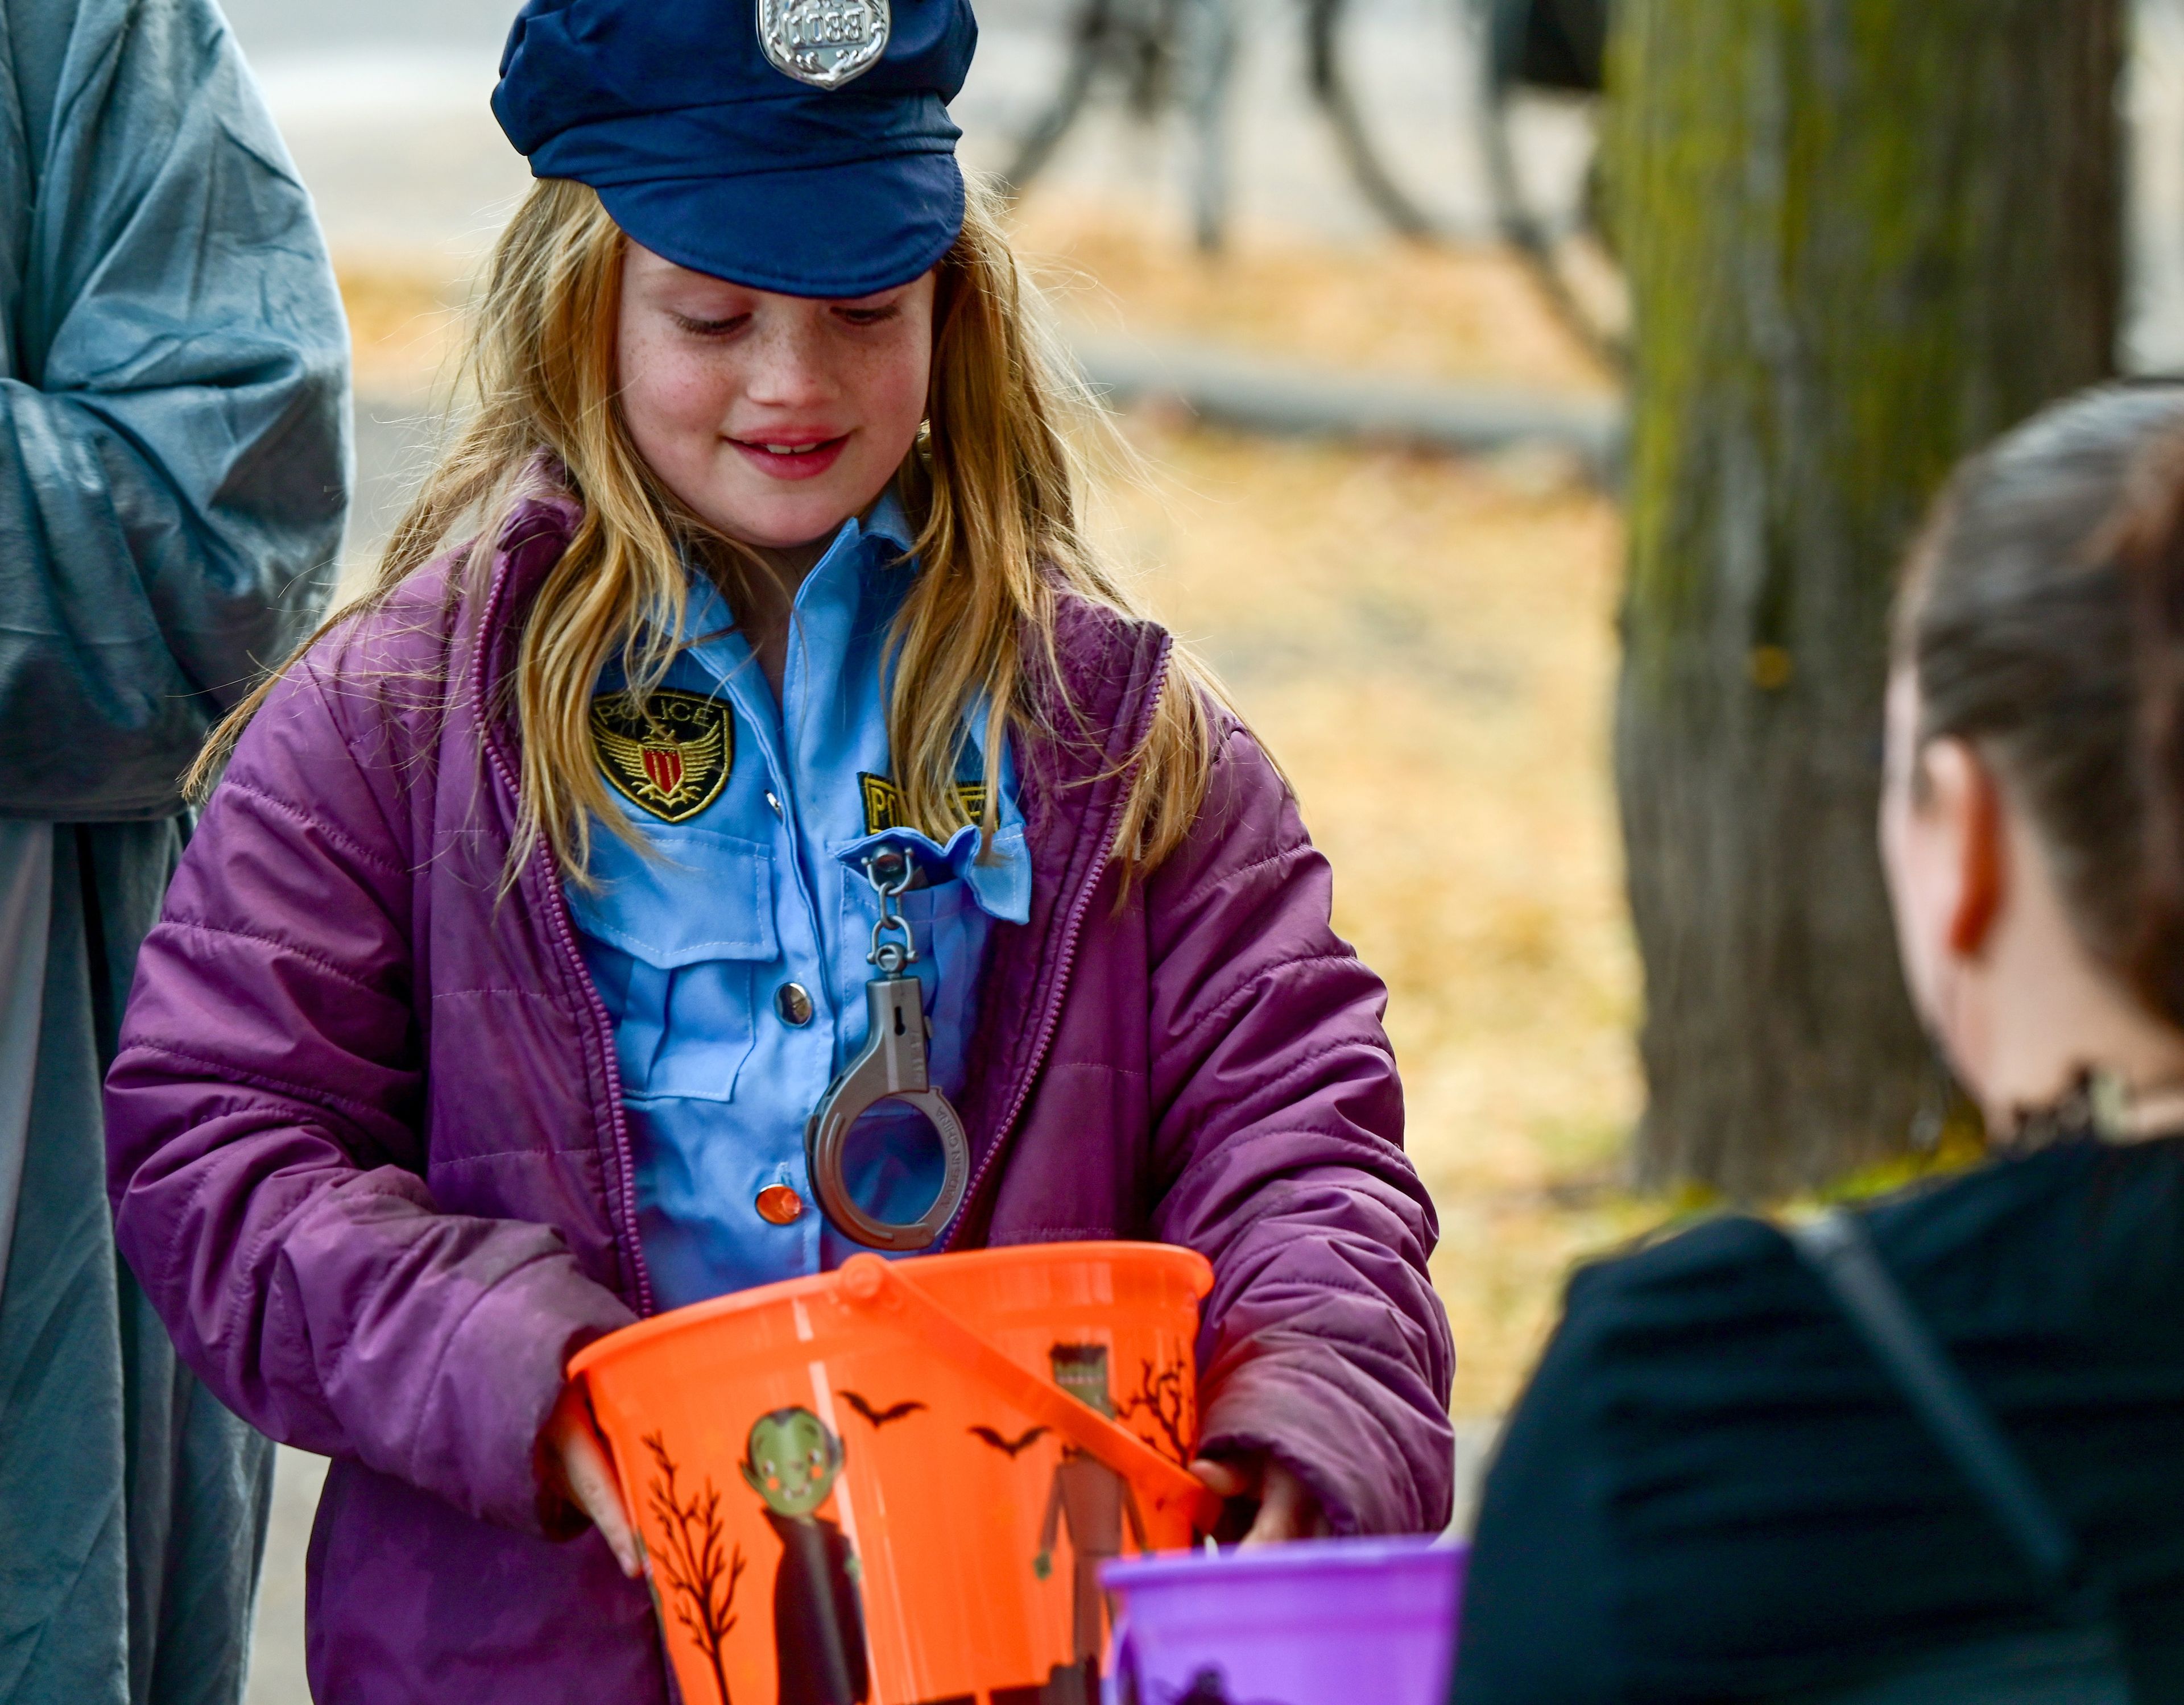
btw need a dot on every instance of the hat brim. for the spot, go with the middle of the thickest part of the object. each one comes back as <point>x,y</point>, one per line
<point>824,231</point>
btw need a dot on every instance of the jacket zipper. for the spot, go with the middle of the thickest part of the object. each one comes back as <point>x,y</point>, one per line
<point>557,912</point>
<point>1072,928</point>
<point>602,1037</point>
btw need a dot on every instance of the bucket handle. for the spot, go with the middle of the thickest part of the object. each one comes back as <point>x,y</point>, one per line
<point>877,1285</point>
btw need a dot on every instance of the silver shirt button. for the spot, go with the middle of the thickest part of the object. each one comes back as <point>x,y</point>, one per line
<point>773,804</point>
<point>793,1001</point>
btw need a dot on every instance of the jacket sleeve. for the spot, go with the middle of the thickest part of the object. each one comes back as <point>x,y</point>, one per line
<point>1278,1133</point>
<point>173,455</point>
<point>264,1157</point>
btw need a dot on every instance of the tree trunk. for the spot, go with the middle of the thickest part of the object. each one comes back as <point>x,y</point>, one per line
<point>1863,237</point>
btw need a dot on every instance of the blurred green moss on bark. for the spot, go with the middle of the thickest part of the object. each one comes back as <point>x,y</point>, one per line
<point>1862,237</point>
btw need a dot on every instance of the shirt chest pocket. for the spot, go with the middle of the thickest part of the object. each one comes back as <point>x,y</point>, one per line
<point>675,943</point>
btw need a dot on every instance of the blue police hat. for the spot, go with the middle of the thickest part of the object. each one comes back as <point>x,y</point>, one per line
<point>801,146</point>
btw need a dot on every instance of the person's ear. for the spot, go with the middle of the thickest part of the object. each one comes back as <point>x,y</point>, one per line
<point>1961,790</point>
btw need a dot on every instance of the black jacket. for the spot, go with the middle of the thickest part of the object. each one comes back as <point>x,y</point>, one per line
<point>1710,1491</point>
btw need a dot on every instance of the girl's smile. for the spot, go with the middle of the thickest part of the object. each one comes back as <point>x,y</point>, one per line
<point>789,454</point>
<point>773,419</point>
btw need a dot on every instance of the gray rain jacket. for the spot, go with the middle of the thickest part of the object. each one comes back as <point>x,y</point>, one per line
<point>174,470</point>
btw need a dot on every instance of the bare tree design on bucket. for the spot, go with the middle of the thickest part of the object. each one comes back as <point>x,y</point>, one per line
<point>694,1560</point>
<point>1161,1400</point>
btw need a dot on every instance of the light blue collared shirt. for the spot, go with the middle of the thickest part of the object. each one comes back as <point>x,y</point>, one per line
<point>758,883</point>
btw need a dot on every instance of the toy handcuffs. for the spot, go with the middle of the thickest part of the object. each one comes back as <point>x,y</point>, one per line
<point>891,1067</point>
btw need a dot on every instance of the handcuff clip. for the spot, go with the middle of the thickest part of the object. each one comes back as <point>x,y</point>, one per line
<point>891,1067</point>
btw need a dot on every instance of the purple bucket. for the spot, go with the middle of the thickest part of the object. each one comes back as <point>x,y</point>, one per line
<point>1321,1622</point>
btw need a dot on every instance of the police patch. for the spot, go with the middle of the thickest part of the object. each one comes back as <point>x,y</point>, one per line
<point>883,803</point>
<point>670,755</point>
<point>823,42</point>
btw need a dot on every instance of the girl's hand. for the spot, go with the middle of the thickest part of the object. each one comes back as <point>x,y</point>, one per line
<point>577,1468</point>
<point>1287,1508</point>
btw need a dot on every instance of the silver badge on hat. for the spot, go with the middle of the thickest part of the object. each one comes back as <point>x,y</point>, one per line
<point>823,42</point>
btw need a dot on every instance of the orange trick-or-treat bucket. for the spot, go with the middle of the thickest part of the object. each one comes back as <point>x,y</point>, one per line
<point>894,1484</point>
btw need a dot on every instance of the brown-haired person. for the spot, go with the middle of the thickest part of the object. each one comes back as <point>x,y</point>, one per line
<point>1935,1449</point>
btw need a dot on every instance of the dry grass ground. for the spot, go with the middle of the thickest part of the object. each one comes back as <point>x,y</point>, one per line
<point>1393,308</point>
<point>1426,645</point>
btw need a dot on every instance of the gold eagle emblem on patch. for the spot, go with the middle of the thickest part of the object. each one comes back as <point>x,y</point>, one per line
<point>669,755</point>
<point>883,803</point>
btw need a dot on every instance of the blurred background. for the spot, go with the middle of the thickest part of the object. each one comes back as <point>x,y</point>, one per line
<point>1341,288</point>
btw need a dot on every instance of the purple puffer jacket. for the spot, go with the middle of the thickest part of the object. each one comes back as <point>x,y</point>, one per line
<point>370,1162</point>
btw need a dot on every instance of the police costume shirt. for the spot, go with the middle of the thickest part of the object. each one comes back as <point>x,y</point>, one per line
<point>731,950</point>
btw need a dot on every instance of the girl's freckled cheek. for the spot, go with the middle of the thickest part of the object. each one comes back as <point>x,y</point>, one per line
<point>689,396</point>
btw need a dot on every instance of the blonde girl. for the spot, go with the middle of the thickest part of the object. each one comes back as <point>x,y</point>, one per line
<point>531,918</point>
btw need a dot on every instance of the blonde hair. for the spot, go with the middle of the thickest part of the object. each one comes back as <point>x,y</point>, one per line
<point>993,489</point>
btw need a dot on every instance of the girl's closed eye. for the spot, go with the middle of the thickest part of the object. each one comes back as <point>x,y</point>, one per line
<point>712,328</point>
